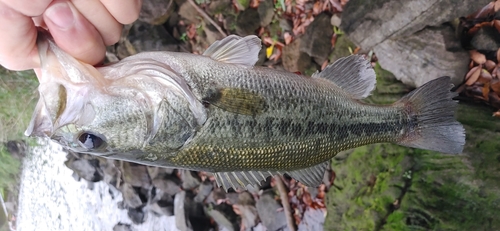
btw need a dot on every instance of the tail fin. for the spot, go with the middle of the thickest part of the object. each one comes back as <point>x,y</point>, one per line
<point>431,110</point>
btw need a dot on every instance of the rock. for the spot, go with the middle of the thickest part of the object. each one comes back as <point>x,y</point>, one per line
<point>190,179</point>
<point>248,22</point>
<point>122,227</point>
<point>224,215</point>
<point>293,59</point>
<point>487,39</point>
<point>424,56</point>
<point>188,13</point>
<point>131,197</point>
<point>316,42</point>
<point>196,213</point>
<point>313,220</point>
<point>141,36</point>
<point>135,174</point>
<point>247,210</point>
<point>218,6</point>
<point>16,148</point>
<point>168,185</point>
<point>180,214</point>
<point>138,216</point>
<point>87,169</point>
<point>204,190</point>
<point>369,23</point>
<point>156,12</point>
<point>271,212</point>
<point>266,12</point>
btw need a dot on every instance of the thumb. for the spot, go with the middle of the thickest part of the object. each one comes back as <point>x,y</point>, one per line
<point>73,33</point>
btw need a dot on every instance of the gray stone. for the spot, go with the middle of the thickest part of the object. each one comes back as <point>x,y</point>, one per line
<point>270,212</point>
<point>486,38</point>
<point>293,59</point>
<point>316,42</point>
<point>313,220</point>
<point>190,179</point>
<point>266,12</point>
<point>156,12</point>
<point>371,22</point>
<point>247,22</point>
<point>424,56</point>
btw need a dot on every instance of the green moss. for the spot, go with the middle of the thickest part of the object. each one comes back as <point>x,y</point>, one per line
<point>343,48</point>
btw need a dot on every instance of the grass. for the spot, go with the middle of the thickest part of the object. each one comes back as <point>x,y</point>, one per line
<point>17,100</point>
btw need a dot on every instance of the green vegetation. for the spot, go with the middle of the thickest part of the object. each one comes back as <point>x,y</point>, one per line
<point>389,187</point>
<point>18,97</point>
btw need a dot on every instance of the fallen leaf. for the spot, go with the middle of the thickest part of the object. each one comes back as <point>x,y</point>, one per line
<point>489,65</point>
<point>496,114</point>
<point>477,57</point>
<point>473,75</point>
<point>495,85</point>
<point>496,24</point>
<point>485,76</point>
<point>289,38</point>
<point>496,7</point>
<point>498,55</point>
<point>486,91</point>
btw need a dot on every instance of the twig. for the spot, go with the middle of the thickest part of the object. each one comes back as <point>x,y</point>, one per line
<point>286,204</point>
<point>205,15</point>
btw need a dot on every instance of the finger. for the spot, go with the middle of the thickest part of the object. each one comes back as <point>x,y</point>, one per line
<point>95,12</point>
<point>18,40</point>
<point>28,7</point>
<point>124,11</point>
<point>73,33</point>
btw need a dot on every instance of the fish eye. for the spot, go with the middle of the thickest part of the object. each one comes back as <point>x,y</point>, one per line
<point>91,140</point>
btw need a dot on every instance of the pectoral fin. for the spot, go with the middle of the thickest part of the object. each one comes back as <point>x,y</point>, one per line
<point>237,100</point>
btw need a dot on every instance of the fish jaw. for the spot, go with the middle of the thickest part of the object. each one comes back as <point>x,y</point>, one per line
<point>66,86</point>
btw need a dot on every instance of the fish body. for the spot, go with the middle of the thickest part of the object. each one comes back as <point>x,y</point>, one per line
<point>218,113</point>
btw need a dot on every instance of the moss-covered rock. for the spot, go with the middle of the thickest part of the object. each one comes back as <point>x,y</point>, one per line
<point>389,187</point>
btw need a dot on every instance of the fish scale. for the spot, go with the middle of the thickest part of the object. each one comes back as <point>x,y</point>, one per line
<point>216,112</point>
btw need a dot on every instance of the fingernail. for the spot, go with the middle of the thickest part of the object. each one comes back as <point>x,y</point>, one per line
<point>61,15</point>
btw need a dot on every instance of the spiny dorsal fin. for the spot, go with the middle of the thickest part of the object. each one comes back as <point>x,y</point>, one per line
<point>236,50</point>
<point>354,74</point>
<point>312,176</point>
<point>237,100</point>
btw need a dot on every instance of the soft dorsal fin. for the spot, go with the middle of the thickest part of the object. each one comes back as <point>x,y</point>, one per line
<point>311,177</point>
<point>236,50</point>
<point>354,74</point>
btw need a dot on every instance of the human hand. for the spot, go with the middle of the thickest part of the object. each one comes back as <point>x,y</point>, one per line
<point>82,28</point>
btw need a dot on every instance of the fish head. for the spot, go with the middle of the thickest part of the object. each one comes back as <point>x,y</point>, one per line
<point>134,106</point>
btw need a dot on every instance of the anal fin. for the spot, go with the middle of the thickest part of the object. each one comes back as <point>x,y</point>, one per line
<point>311,177</point>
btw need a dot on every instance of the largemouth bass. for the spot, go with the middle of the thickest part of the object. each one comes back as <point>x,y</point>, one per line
<point>218,113</point>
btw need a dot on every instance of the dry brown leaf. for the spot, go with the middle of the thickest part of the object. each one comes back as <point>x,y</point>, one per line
<point>486,91</point>
<point>489,65</point>
<point>473,75</point>
<point>496,24</point>
<point>477,57</point>
<point>498,56</point>
<point>485,76</point>
<point>495,85</point>
<point>497,114</point>
<point>289,38</point>
<point>496,7</point>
